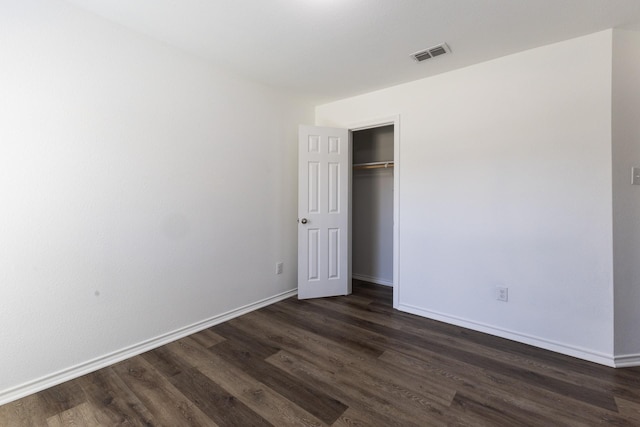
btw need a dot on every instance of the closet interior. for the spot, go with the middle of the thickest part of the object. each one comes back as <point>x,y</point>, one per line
<point>372,212</point>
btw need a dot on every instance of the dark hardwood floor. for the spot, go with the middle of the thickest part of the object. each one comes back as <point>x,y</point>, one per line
<point>346,361</point>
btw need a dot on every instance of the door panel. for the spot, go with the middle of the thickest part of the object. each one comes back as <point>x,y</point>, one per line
<point>334,253</point>
<point>314,187</point>
<point>323,212</point>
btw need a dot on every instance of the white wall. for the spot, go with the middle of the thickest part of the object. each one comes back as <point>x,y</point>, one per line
<point>142,191</point>
<point>372,195</point>
<point>505,179</point>
<point>626,198</point>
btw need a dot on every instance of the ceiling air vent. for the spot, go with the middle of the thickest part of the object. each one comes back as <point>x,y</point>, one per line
<point>432,52</point>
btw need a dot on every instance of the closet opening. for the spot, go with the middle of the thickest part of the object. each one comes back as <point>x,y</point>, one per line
<point>372,201</point>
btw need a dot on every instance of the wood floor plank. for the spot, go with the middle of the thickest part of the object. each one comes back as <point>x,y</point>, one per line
<point>259,349</point>
<point>486,414</point>
<point>318,326</point>
<point>207,338</point>
<point>113,402</point>
<point>61,397</point>
<point>26,412</point>
<point>82,415</point>
<point>256,395</point>
<point>159,396</point>
<point>353,417</point>
<point>304,395</point>
<point>221,406</point>
<point>379,293</point>
<point>356,395</point>
<point>416,405</point>
<point>164,361</point>
<point>629,410</point>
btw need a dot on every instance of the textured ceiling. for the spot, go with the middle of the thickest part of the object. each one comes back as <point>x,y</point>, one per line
<point>336,48</point>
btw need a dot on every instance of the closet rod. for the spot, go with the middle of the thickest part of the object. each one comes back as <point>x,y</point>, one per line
<point>373,165</point>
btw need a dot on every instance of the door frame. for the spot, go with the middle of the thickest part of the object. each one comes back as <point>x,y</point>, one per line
<point>374,123</point>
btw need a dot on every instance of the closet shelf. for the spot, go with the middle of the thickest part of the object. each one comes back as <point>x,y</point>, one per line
<point>373,165</point>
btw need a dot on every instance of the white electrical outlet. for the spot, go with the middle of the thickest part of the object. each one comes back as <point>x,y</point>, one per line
<point>279,267</point>
<point>502,293</point>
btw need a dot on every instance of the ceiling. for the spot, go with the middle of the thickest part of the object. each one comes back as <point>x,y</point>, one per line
<point>332,49</point>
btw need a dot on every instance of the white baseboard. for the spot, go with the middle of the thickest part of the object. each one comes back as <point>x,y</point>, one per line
<point>370,279</point>
<point>627,361</point>
<point>84,368</point>
<point>569,350</point>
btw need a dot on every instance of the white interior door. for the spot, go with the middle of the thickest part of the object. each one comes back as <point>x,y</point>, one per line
<point>324,213</point>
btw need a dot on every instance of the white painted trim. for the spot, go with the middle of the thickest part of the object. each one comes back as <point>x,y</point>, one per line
<point>84,368</point>
<point>396,211</point>
<point>627,361</point>
<point>569,350</point>
<point>370,279</point>
<point>395,121</point>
